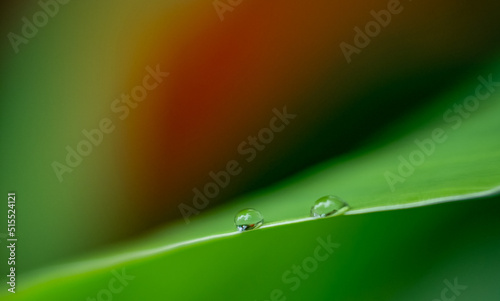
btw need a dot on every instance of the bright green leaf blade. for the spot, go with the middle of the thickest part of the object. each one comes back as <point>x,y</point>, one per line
<point>375,257</point>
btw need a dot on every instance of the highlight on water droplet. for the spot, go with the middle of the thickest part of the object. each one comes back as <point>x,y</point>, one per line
<point>248,219</point>
<point>329,205</point>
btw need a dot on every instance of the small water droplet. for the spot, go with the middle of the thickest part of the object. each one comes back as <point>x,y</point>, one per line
<point>329,205</point>
<point>248,219</point>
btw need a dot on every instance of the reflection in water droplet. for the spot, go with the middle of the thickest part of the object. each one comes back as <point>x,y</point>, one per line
<point>329,205</point>
<point>248,219</point>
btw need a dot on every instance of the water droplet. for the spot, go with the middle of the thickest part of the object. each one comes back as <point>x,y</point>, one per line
<point>248,219</point>
<point>329,205</point>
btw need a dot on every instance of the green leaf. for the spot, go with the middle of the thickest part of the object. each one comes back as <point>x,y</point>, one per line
<point>461,161</point>
<point>379,256</point>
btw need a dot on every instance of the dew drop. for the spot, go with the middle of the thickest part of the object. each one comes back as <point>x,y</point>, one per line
<point>248,219</point>
<point>329,205</point>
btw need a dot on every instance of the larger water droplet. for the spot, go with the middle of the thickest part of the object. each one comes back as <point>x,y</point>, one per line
<point>329,205</point>
<point>248,219</point>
